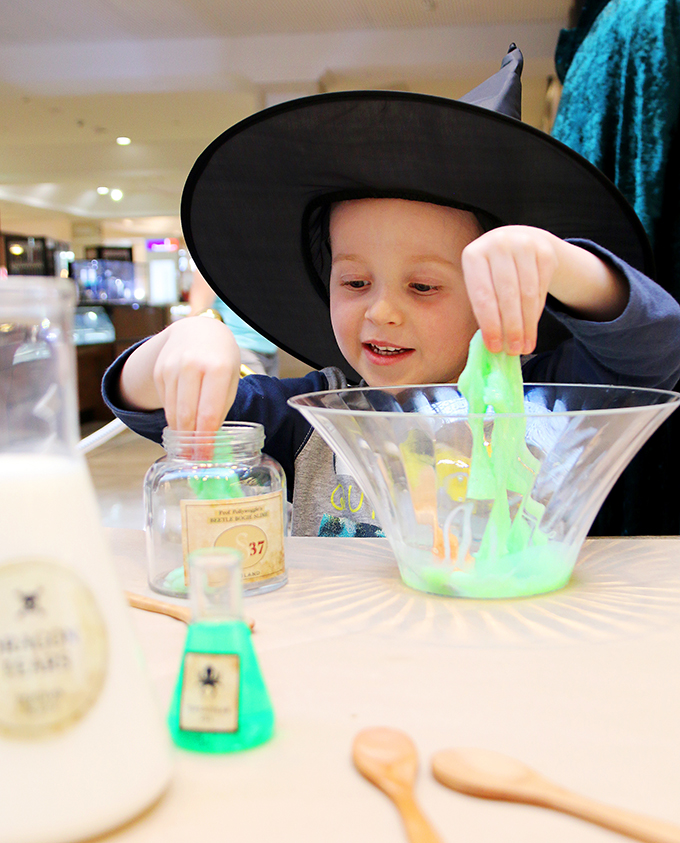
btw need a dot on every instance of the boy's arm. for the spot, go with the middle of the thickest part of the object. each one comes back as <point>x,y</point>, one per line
<point>590,288</point>
<point>509,272</point>
<point>190,369</point>
<point>639,348</point>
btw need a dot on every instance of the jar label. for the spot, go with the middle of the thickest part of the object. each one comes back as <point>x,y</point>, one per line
<point>253,525</point>
<point>210,688</point>
<point>53,649</point>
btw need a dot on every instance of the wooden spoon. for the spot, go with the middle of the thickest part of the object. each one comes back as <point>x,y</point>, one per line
<point>163,607</point>
<point>480,772</point>
<point>388,759</point>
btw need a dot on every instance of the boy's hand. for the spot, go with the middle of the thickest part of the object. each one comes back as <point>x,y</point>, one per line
<point>191,369</point>
<point>509,272</point>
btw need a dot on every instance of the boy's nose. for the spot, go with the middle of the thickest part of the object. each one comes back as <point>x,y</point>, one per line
<point>383,310</point>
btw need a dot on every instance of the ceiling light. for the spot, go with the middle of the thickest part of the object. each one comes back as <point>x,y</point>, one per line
<point>122,141</point>
<point>116,194</point>
<point>102,191</point>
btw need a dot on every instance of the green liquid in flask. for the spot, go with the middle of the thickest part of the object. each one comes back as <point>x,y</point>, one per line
<point>220,698</point>
<point>221,703</point>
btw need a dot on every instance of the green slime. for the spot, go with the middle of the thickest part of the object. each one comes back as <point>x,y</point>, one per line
<point>495,380</point>
<point>205,487</point>
<point>514,557</point>
<point>533,570</point>
<point>222,487</point>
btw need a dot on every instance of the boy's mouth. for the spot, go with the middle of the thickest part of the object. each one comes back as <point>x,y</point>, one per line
<point>384,351</point>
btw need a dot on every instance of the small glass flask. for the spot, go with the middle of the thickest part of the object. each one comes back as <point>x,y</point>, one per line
<point>220,702</point>
<point>215,489</point>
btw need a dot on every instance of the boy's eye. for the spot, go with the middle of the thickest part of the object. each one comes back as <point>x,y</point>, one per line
<point>422,287</point>
<point>354,283</point>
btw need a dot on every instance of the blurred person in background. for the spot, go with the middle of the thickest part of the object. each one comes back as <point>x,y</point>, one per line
<point>620,104</point>
<point>257,353</point>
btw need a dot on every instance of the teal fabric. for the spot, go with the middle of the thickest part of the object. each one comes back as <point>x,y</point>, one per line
<point>619,108</point>
<point>245,336</point>
<point>570,39</point>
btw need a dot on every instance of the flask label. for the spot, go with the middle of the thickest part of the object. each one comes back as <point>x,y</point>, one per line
<point>253,525</point>
<point>210,689</point>
<point>53,649</point>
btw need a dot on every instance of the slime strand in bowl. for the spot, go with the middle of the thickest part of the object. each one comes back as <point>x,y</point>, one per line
<point>425,473</point>
<point>507,465</point>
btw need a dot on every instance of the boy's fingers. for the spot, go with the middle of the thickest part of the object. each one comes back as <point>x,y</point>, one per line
<point>530,298</point>
<point>507,275</point>
<point>167,392</point>
<point>482,295</point>
<point>507,284</point>
<point>217,393</point>
<point>186,399</point>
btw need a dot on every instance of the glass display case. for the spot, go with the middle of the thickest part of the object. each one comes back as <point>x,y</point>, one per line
<point>106,281</point>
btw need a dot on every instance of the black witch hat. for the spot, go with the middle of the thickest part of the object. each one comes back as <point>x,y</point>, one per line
<point>256,201</point>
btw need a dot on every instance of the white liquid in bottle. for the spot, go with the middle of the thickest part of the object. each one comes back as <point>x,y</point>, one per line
<point>83,745</point>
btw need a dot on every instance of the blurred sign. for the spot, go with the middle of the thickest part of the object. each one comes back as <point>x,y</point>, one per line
<point>168,244</point>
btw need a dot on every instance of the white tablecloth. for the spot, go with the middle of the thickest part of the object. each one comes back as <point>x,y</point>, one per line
<point>582,684</point>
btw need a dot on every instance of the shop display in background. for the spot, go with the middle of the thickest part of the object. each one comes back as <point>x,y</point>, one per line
<point>107,281</point>
<point>41,256</point>
<point>108,253</point>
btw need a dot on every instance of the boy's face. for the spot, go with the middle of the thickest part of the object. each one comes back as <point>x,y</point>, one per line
<point>399,307</point>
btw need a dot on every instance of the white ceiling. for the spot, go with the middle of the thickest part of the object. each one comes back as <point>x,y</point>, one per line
<point>173,74</point>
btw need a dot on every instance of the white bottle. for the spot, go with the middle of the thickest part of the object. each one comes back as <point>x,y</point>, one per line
<point>83,744</point>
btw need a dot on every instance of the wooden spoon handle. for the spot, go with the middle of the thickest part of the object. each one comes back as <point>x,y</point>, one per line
<point>418,829</point>
<point>150,604</point>
<point>181,613</point>
<point>615,819</point>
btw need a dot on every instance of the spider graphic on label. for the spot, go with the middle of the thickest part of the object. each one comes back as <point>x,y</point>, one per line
<point>29,602</point>
<point>209,679</point>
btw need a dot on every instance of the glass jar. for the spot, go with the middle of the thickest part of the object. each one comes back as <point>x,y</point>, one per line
<point>215,490</point>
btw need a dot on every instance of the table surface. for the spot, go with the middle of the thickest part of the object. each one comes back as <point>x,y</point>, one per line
<point>582,684</point>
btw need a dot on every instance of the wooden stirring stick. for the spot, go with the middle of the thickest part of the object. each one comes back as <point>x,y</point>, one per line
<point>181,613</point>
<point>150,604</point>
<point>479,772</point>
<point>388,759</point>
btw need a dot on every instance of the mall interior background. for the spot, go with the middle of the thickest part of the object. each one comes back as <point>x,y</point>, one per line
<point>170,76</point>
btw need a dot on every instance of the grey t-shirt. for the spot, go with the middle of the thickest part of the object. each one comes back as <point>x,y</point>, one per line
<point>327,501</point>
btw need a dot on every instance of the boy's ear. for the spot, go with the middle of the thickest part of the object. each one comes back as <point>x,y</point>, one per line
<point>502,92</point>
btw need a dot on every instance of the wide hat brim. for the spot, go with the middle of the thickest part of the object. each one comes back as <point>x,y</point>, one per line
<point>247,199</point>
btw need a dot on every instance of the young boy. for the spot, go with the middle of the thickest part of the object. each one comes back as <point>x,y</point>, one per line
<point>409,271</point>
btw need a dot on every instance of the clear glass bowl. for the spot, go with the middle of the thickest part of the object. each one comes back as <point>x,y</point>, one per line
<point>456,526</point>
